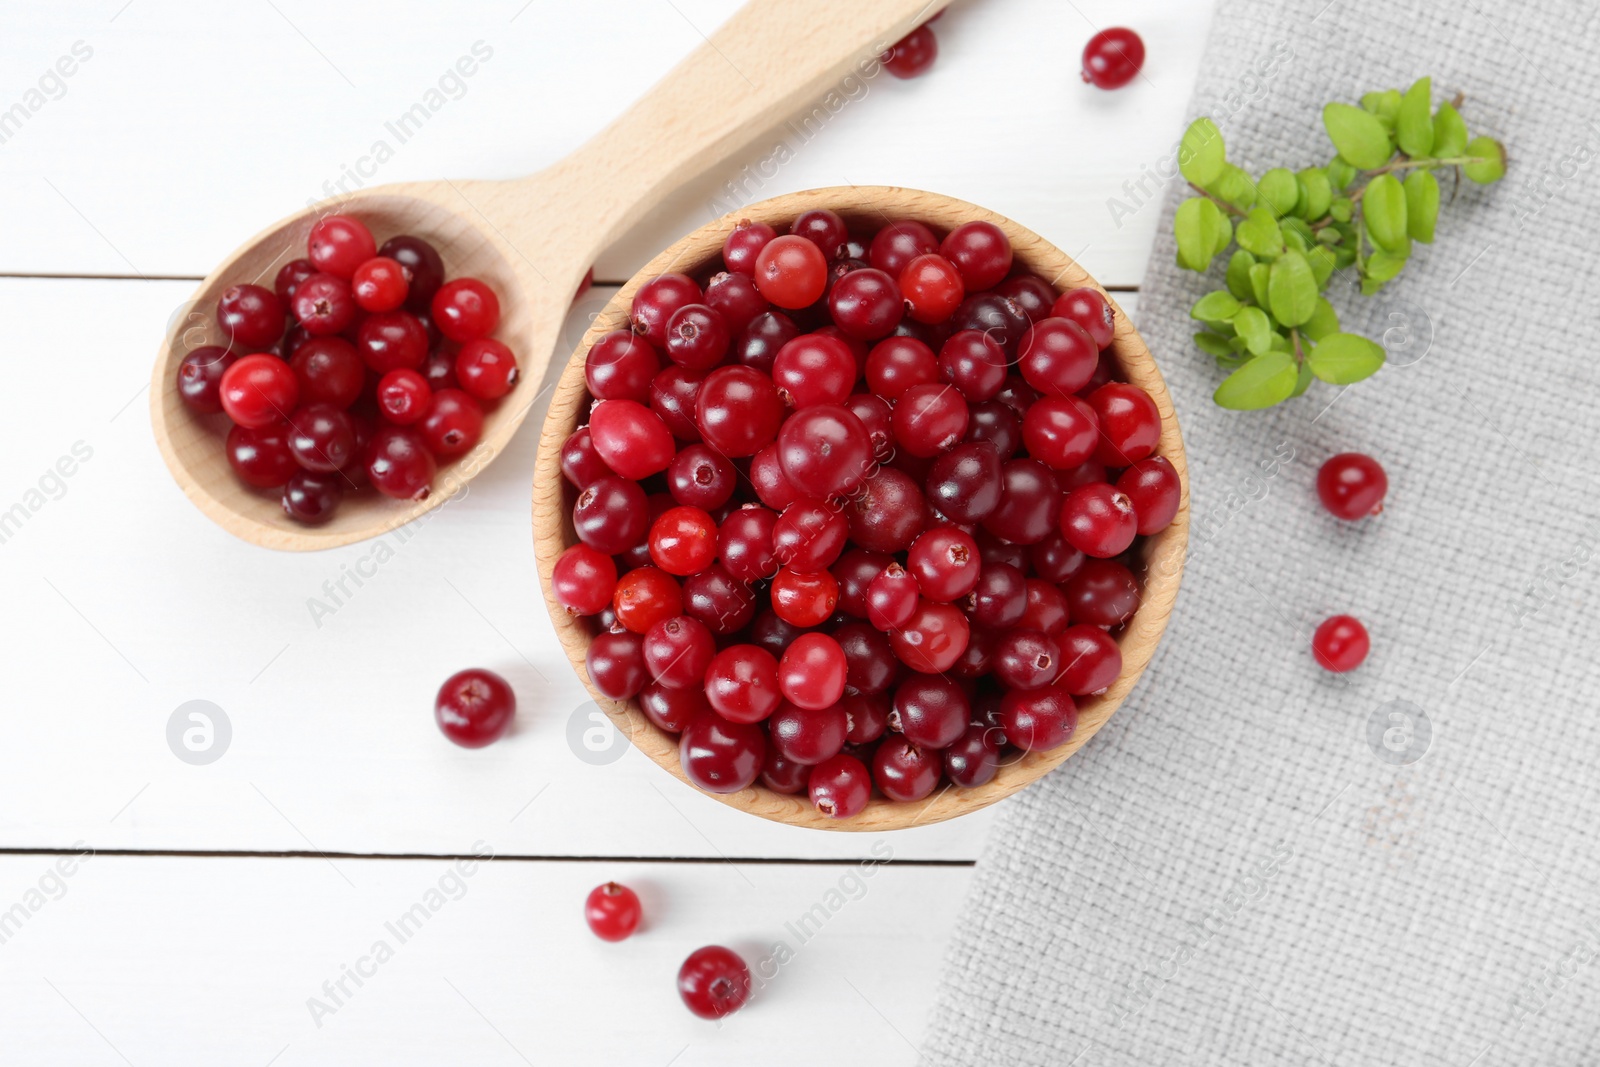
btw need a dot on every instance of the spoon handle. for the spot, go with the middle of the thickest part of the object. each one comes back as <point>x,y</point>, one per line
<point>773,60</point>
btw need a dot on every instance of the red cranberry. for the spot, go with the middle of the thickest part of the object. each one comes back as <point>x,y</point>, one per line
<point>611,514</point>
<point>656,302</point>
<point>932,639</point>
<point>1153,486</point>
<point>440,368</point>
<point>741,683</point>
<point>772,633</point>
<point>311,498</point>
<point>825,451</point>
<point>290,275</point>
<point>422,260</point>
<point>260,455</point>
<point>486,369</point>
<point>1090,310</point>
<point>928,419</point>
<point>677,652</point>
<point>251,316</point>
<point>1112,58</point>
<point>683,540</point>
<point>876,415</point>
<point>323,305</point>
<point>866,716</point>
<point>338,244</point>
<point>200,378</point>
<point>897,244</point>
<point>1044,607</point>
<point>1340,644</point>
<point>1037,720</point>
<point>913,54</point>
<point>630,437</point>
<point>738,410</point>
<point>391,340</point>
<point>329,371</point>
<point>1090,660</point>
<point>791,272</point>
<point>809,536</point>
<point>811,671</point>
<point>620,366</point>
<point>823,228</point>
<point>1130,424</point>
<point>1027,659</point>
<point>1098,520</point>
<point>646,596</point>
<point>1057,356</point>
<point>814,369</point>
<point>1102,593</point>
<point>701,477</point>
<point>673,395</point>
<point>981,252</point>
<point>1063,432</point>
<point>974,758</point>
<point>403,396</point>
<point>807,735</point>
<point>719,756</point>
<point>258,391</point>
<point>380,284</point>
<point>930,711</point>
<point>867,304</point>
<point>475,707</point>
<point>697,337</point>
<point>399,464</point>
<point>612,911</point>
<point>744,244</point>
<point>1351,486</point>
<point>580,463</point>
<point>616,664</point>
<point>1000,597</point>
<point>887,514</point>
<point>904,772</point>
<point>892,598</point>
<point>452,423</point>
<point>784,776</point>
<point>744,544</point>
<point>736,298</point>
<point>804,599</point>
<point>770,483</point>
<point>1030,503</point>
<point>945,563</point>
<point>974,363</point>
<point>714,982</point>
<point>932,287</point>
<point>583,580</point>
<point>895,364</point>
<point>465,309</point>
<point>840,787</point>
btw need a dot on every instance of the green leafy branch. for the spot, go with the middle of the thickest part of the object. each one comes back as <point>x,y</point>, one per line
<point>1270,327</point>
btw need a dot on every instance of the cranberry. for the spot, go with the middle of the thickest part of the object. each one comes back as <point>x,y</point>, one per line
<point>895,364</point>
<point>399,464</point>
<point>866,716</point>
<point>677,652</point>
<point>620,366</point>
<point>770,483</point>
<point>1063,432</point>
<point>1098,520</point>
<point>928,419</point>
<point>673,395</point>
<point>1090,660</point>
<point>892,598</point>
<point>904,772</point>
<point>402,396</point>
<point>1112,58</point>
<point>995,315</point>
<point>486,369</point>
<point>932,639</point>
<point>630,437</point>
<point>719,756</point>
<point>759,342</point>
<point>258,391</point>
<point>854,572</point>
<point>1044,607</point>
<point>475,707</point>
<point>932,287</point>
<point>887,514</point>
<point>422,260</point>
<point>612,911</point>
<point>440,368</point>
<point>807,735</point>
<point>1340,644</point>
<point>311,497</point>
<point>809,536</point>
<point>329,371</point>
<point>391,340</point>
<point>736,298</point>
<point>929,710</point>
<point>974,758</point>
<point>290,275</point>
<point>876,415</point>
<point>251,316</point>
<point>897,244</point>
<point>738,410</point>
<point>644,597</point>
<point>1027,659</point>
<point>701,477</point>
<point>697,337</point>
<point>981,252</point>
<point>1130,424</point>
<point>945,563</point>
<point>338,244</point>
<point>714,981</point>
<point>744,245</point>
<point>867,304</point>
<point>1030,503</point>
<point>616,664</point>
<point>200,378</point>
<point>260,455</point>
<point>784,776</point>
<point>1000,597</point>
<point>995,550</point>
<point>741,683</point>
<point>1031,293</point>
<point>1102,593</point>
<point>683,540</point>
<point>465,309</point>
<point>323,305</point>
<point>996,423</point>
<point>452,423</point>
<point>1037,720</point>
<point>1017,394</point>
<point>811,671</point>
<point>825,451</point>
<point>583,580</point>
<point>1352,485</point>
<point>719,600</point>
<point>744,544</point>
<point>1153,486</point>
<point>913,54</point>
<point>772,633</point>
<point>1057,356</point>
<point>823,228</point>
<point>1089,309</point>
<point>321,437</point>
<point>840,786</point>
<point>1054,559</point>
<point>814,369</point>
<point>380,284</point>
<point>611,514</point>
<point>580,463</point>
<point>791,272</point>
<point>804,599</point>
<point>1087,473</point>
<point>974,363</point>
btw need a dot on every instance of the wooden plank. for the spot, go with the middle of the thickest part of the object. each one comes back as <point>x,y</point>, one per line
<point>150,960</point>
<point>176,138</point>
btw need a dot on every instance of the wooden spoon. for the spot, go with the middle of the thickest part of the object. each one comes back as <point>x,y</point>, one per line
<point>533,238</point>
<point>866,208</point>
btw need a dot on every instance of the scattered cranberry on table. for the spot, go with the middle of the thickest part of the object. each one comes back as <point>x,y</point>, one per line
<point>366,363</point>
<point>1113,58</point>
<point>612,911</point>
<point>714,982</point>
<point>858,510</point>
<point>1340,644</point>
<point>913,54</point>
<point>1352,486</point>
<point>475,707</point>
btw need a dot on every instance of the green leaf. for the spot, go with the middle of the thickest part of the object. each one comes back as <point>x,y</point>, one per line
<point>1322,322</point>
<point>1323,264</point>
<point>1280,343</point>
<point>1413,123</point>
<point>1341,209</point>
<point>1422,205</point>
<point>1303,379</point>
<point>1264,381</point>
<point>1279,190</point>
<point>1316,193</point>
<point>1340,174</point>
<point>1449,132</point>
<point>1384,208</point>
<point>1384,266</point>
<point>1201,153</point>
<point>1256,329</point>
<point>1358,136</point>
<point>1342,358</point>
<point>1213,344</point>
<point>1343,256</point>
<point>1489,160</point>
<point>1235,187</point>
<point>1292,289</point>
<point>1260,274</point>
<point>1232,362</point>
<point>1199,225</point>
<point>1384,105</point>
<point>1259,234</point>
<point>1215,306</point>
<point>1239,265</point>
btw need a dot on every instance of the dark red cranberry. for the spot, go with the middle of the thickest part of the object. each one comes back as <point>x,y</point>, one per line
<point>1000,597</point>
<point>673,395</point>
<point>1030,503</point>
<point>996,423</point>
<point>996,315</point>
<point>744,544</point>
<point>200,378</point>
<point>290,275</point>
<point>1351,485</point>
<point>260,456</point>
<point>697,337</point>
<point>311,498</point>
<point>612,911</point>
<point>620,366</point>
<point>399,463</point>
<point>854,572</point>
<point>714,982</point>
<point>452,423</point>
<point>324,305</point>
<point>964,483</point>
<point>1026,659</point>
<point>1031,293</point>
<point>321,437</point>
<point>823,228</point>
<point>701,477</point>
<point>738,411</point>
<point>866,716</point>
<point>616,664</point>
<point>897,244</point>
<point>913,54</point>
<point>611,514</point>
<point>974,364</point>
<point>1090,472</point>
<point>772,633</point>
<point>996,550</point>
<point>770,483</point>
<point>713,596</point>
<point>1037,720</point>
<point>719,756</point>
<point>892,598</point>
<point>1112,58</point>
<point>840,787</point>
<point>392,340</point>
<point>580,463</point>
<point>867,304</point>
<point>475,707</point>
<point>677,652</point>
<point>422,260</point>
<point>870,664</point>
<point>1340,644</point>
<point>784,776</point>
<point>329,371</point>
<point>904,772</point>
<point>251,316</point>
<point>807,735</point>
<point>758,343</point>
<point>1054,559</point>
<point>744,244</point>
<point>1044,607</point>
<point>930,711</point>
<point>929,419</point>
<point>1102,593</point>
<point>887,514</point>
<point>1153,486</point>
<point>439,369</point>
<point>974,758</point>
<point>736,299</point>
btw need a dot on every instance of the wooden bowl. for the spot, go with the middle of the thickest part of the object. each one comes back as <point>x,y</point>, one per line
<point>866,207</point>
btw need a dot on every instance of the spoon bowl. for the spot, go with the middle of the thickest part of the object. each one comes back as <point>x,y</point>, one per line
<point>864,207</point>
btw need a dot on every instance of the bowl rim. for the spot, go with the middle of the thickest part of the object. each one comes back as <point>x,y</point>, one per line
<point>1164,553</point>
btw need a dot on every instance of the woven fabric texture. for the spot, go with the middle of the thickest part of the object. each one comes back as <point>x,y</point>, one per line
<point>1236,870</point>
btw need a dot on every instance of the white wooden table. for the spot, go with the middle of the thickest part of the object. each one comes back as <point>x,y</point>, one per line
<point>224,902</point>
